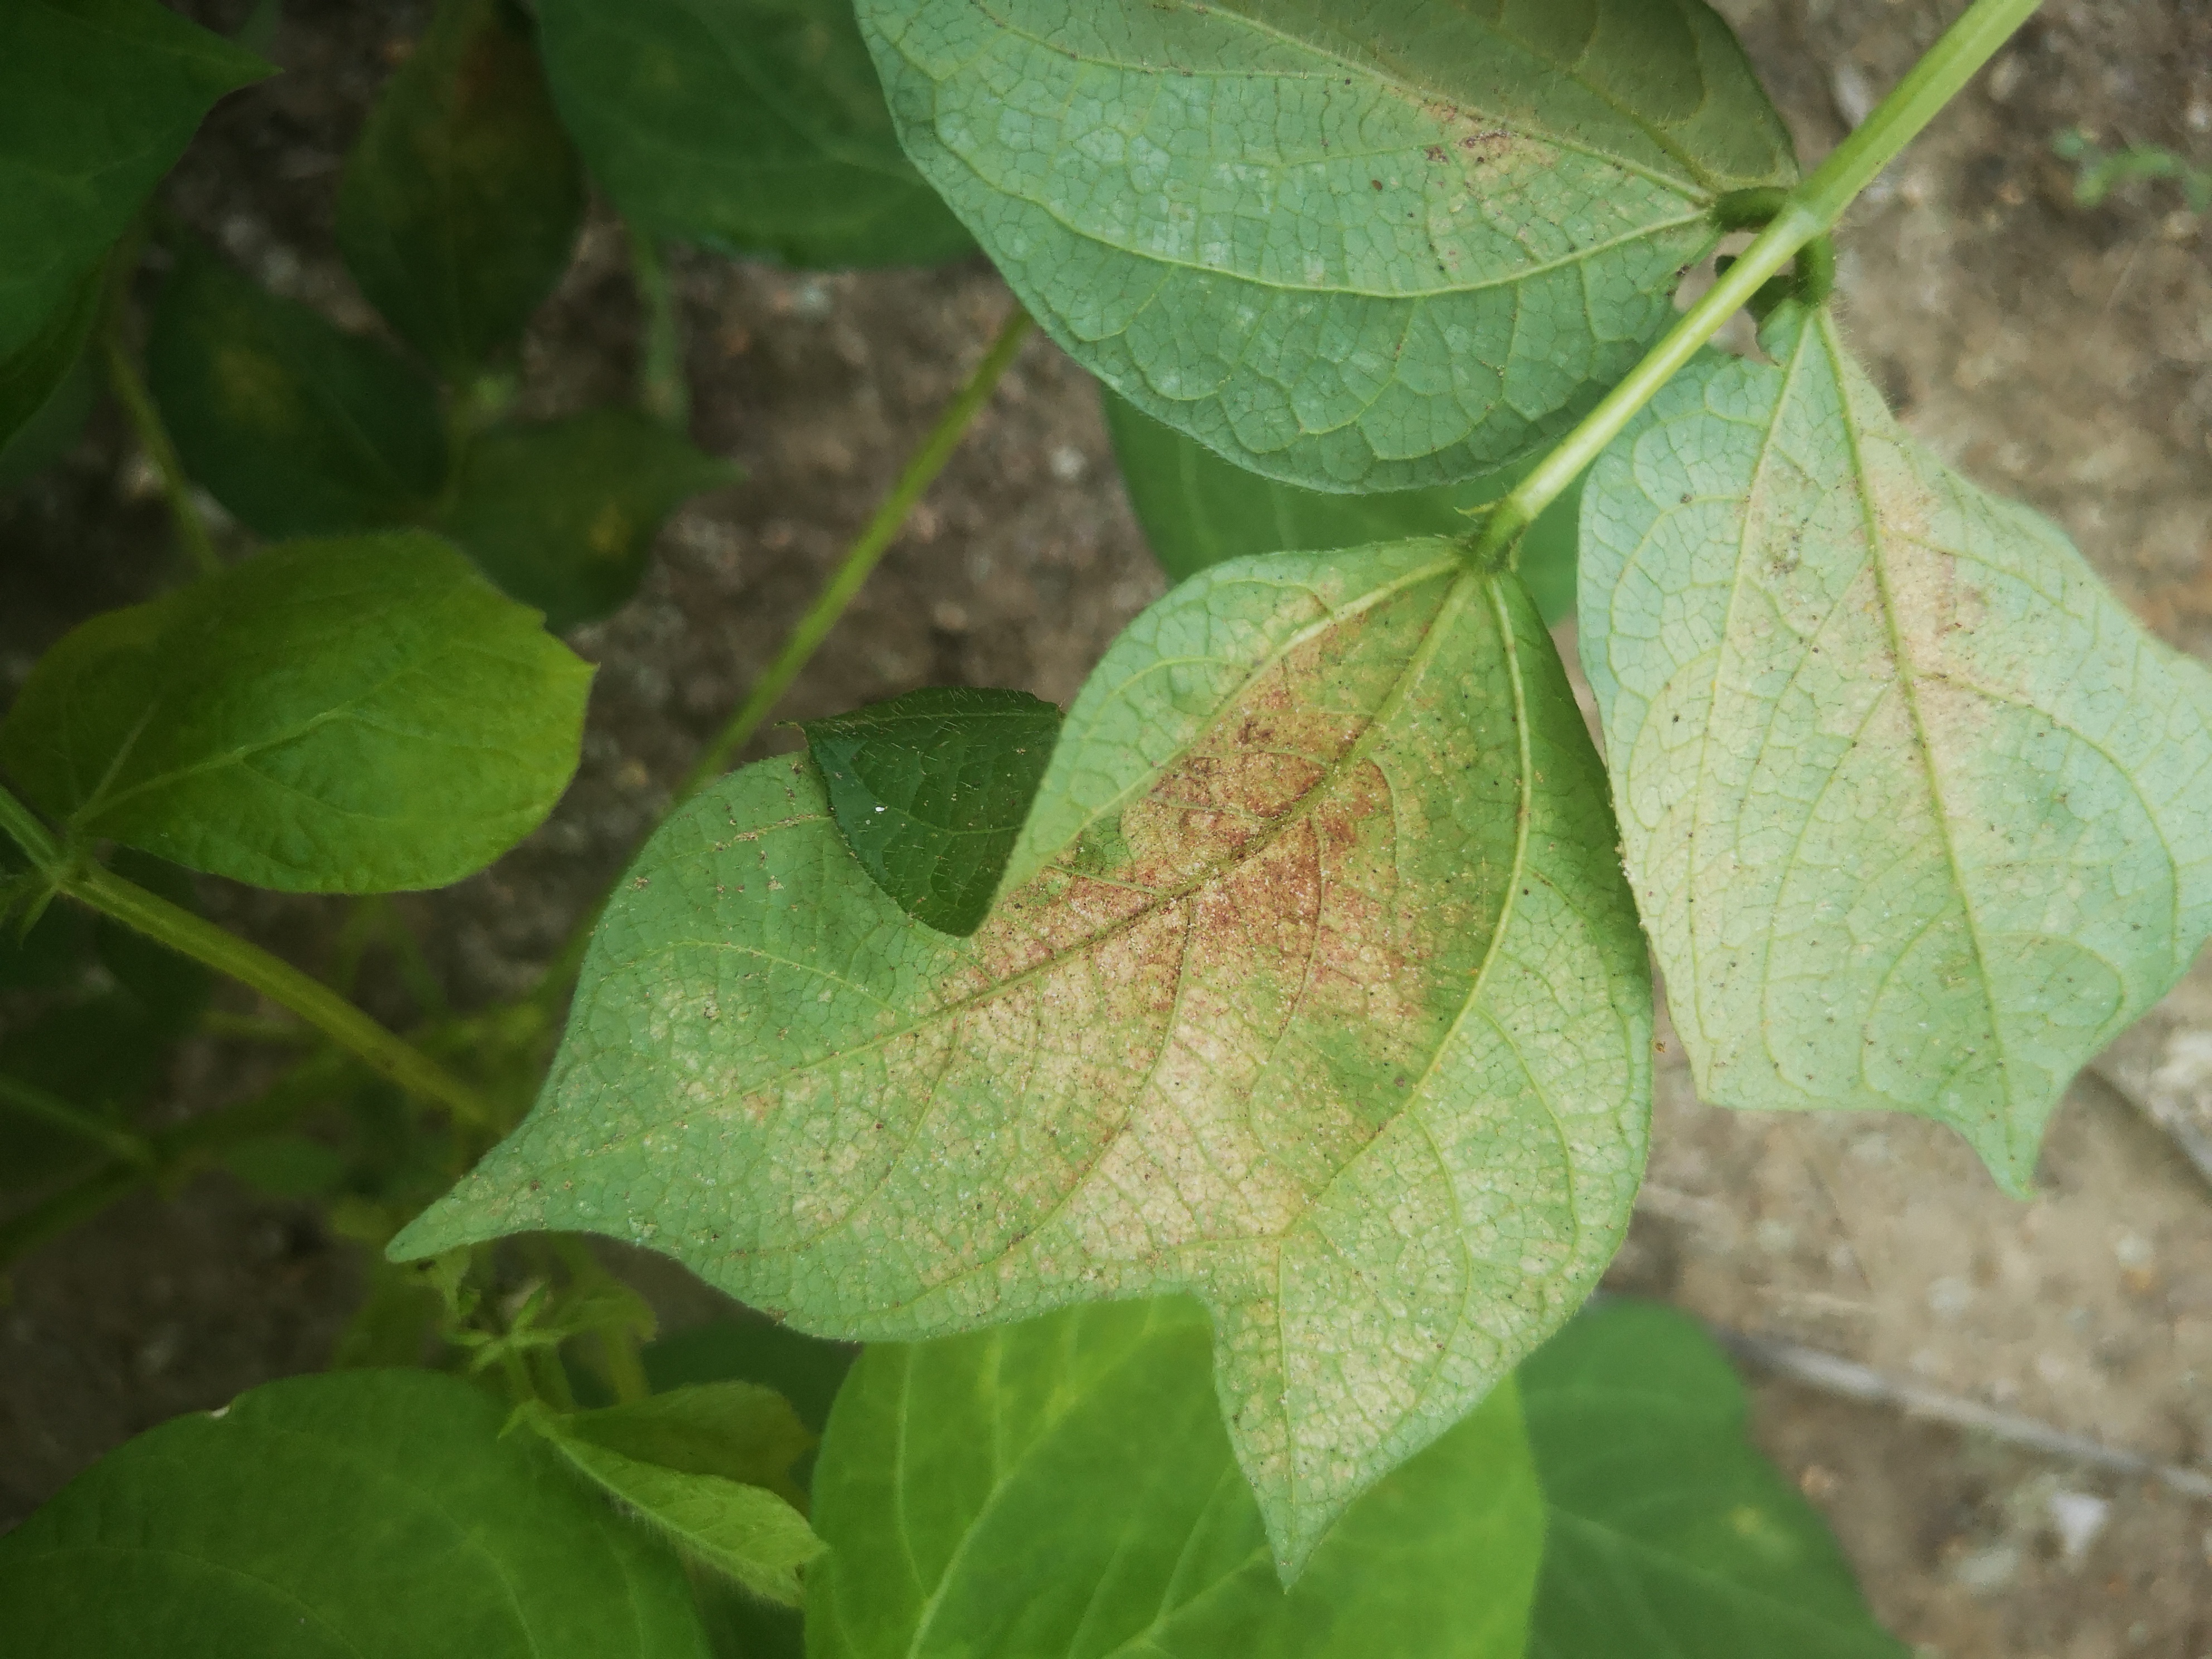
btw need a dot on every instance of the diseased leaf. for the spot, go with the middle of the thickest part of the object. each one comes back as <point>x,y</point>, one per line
<point>349,717</point>
<point>753,126</point>
<point>711,1465</point>
<point>1198,510</point>
<point>355,1513</point>
<point>930,790</point>
<point>1665,1531</point>
<point>1915,811</point>
<point>461,198</point>
<point>1063,1488</point>
<point>562,515</point>
<point>1313,990</point>
<point>295,427</point>
<point>98,98</point>
<point>1382,248</point>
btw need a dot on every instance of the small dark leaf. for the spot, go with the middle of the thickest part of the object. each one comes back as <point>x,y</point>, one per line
<point>288,1166</point>
<point>1666,1531</point>
<point>36,374</point>
<point>295,427</point>
<point>461,198</point>
<point>755,126</point>
<point>930,791</point>
<point>101,1058</point>
<point>336,1516</point>
<point>562,516</point>
<point>1197,509</point>
<point>98,98</point>
<point>806,1370</point>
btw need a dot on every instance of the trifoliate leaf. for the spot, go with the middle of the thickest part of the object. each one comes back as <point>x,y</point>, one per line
<point>1915,810</point>
<point>754,126</point>
<point>1062,1488</point>
<point>1313,990</point>
<point>930,790</point>
<point>352,716</point>
<point>1373,248</point>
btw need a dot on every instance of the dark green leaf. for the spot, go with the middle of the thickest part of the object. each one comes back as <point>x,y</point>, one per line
<point>1666,1532</point>
<point>348,716</point>
<point>1380,246</point>
<point>288,1166</point>
<point>295,427</point>
<point>461,198</point>
<point>805,1370</point>
<point>50,953</point>
<point>361,1513</point>
<point>1198,510</point>
<point>173,989</point>
<point>38,376</point>
<point>97,99</point>
<point>930,789</point>
<point>100,1059</point>
<point>711,1465</point>
<point>1063,1487</point>
<point>755,126</point>
<point>563,515</point>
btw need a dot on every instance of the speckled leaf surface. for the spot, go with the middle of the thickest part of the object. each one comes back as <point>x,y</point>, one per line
<point>1917,813</point>
<point>1665,1530</point>
<point>1314,991</point>
<point>930,789</point>
<point>353,716</point>
<point>362,1513</point>
<point>1062,1487</point>
<point>1198,510</point>
<point>1367,246</point>
<point>755,126</point>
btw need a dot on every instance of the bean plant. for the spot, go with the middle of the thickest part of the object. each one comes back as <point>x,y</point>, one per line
<point>1163,1148</point>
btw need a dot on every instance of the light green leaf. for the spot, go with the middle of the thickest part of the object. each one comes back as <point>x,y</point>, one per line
<point>1915,810</point>
<point>331,1518</point>
<point>562,515</point>
<point>98,98</point>
<point>1666,1531</point>
<point>295,427</point>
<point>328,717</point>
<point>754,126</point>
<point>930,789</point>
<point>1063,1487</point>
<point>711,1465</point>
<point>1315,991</point>
<point>461,198</point>
<point>1198,510</point>
<point>1381,248</point>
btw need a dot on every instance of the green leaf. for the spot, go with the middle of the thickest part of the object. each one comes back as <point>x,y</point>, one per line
<point>753,126</point>
<point>1377,249</point>
<point>35,376</point>
<point>1915,811</point>
<point>1315,991</point>
<point>710,1465</point>
<point>563,515</point>
<point>1063,1488</point>
<point>295,427</point>
<point>98,98</point>
<point>333,717</point>
<point>1198,510</point>
<point>930,790</point>
<point>805,1370</point>
<point>288,1166</point>
<point>460,201</point>
<point>1665,1531</point>
<point>356,1513</point>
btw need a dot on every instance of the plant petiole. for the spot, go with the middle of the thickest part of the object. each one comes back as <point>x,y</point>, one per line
<point>49,1109</point>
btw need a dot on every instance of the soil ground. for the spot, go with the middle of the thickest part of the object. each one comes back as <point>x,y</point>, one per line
<point>2059,353</point>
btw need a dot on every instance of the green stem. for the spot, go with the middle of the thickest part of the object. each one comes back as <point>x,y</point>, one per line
<point>203,942</point>
<point>661,388</point>
<point>51,1110</point>
<point>806,636</point>
<point>1806,213</point>
<point>153,437</point>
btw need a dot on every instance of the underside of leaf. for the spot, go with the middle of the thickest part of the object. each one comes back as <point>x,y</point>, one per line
<point>1315,992</point>
<point>1378,251</point>
<point>1916,812</point>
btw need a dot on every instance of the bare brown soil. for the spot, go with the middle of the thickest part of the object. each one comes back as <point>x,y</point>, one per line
<point>2059,353</point>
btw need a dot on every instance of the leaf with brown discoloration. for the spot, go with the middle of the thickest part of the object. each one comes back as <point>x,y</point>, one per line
<point>1915,810</point>
<point>1313,991</point>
